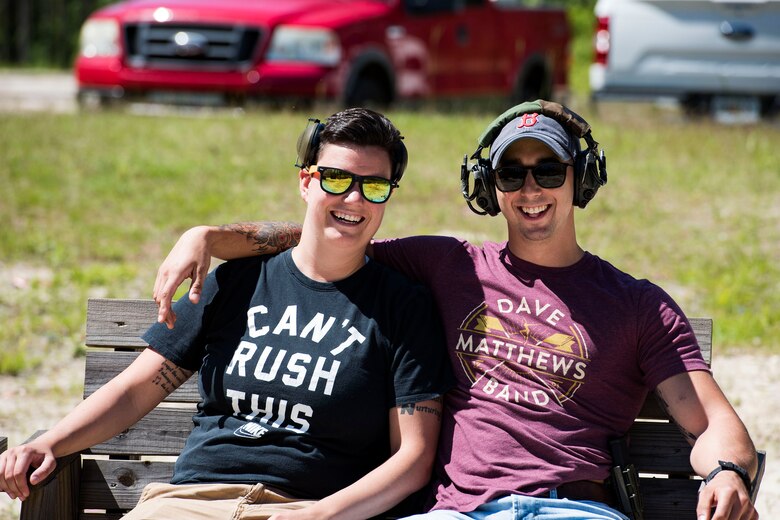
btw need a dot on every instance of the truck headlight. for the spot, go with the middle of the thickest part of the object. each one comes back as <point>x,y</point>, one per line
<point>304,44</point>
<point>99,38</point>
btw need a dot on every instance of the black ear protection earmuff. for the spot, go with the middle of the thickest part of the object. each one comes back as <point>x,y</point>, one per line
<point>309,145</point>
<point>590,165</point>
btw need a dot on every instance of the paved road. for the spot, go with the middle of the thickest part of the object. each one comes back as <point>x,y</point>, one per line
<point>37,91</point>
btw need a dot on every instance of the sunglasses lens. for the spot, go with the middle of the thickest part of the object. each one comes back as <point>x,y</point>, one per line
<point>550,175</point>
<point>546,175</point>
<point>510,178</point>
<point>376,189</point>
<point>335,181</point>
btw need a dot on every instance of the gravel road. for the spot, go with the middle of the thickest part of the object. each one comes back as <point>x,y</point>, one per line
<point>33,91</point>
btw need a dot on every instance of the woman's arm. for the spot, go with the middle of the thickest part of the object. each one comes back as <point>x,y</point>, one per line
<point>112,409</point>
<point>191,256</point>
<point>414,432</point>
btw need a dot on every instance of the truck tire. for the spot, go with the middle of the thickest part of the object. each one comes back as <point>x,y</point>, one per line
<point>369,91</point>
<point>770,105</point>
<point>534,83</point>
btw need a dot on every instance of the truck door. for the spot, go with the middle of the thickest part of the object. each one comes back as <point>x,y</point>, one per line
<point>460,40</point>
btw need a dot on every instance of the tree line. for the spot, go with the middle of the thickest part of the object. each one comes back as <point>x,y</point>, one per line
<point>42,32</point>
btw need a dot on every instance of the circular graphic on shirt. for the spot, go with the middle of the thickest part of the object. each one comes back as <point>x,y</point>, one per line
<point>526,352</point>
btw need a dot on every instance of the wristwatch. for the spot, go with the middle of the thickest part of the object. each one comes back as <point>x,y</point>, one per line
<point>736,468</point>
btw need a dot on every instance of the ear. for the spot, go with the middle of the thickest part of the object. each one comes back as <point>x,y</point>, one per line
<point>304,179</point>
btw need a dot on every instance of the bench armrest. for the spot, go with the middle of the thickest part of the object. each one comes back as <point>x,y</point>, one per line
<point>57,497</point>
<point>759,475</point>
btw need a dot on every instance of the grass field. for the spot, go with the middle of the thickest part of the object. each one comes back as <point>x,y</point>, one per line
<point>92,202</point>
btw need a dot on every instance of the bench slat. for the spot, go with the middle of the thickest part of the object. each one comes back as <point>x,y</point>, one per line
<point>669,498</point>
<point>162,432</point>
<point>119,323</point>
<point>702,327</point>
<point>117,484</point>
<point>102,366</point>
<point>659,448</point>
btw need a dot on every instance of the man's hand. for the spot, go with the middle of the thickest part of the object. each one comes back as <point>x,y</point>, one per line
<point>725,498</point>
<point>189,258</point>
<point>15,463</point>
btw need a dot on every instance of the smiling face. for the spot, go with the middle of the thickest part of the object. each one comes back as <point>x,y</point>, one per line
<point>540,221</point>
<point>348,220</point>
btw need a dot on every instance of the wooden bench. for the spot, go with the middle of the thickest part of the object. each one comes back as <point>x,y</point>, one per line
<point>106,480</point>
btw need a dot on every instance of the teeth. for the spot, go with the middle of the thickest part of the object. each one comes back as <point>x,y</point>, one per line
<point>535,210</point>
<point>349,218</point>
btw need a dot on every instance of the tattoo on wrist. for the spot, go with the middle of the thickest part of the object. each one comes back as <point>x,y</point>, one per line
<point>170,377</point>
<point>268,237</point>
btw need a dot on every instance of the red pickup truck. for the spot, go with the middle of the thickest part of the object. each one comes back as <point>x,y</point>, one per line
<point>350,51</point>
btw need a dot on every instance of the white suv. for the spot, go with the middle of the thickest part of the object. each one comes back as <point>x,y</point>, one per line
<point>706,53</point>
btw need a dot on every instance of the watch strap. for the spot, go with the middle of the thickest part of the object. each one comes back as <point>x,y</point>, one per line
<point>730,466</point>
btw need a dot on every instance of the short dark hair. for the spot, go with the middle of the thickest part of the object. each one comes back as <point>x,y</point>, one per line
<point>364,127</point>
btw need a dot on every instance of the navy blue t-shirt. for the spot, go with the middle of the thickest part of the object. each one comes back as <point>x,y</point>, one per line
<point>296,376</point>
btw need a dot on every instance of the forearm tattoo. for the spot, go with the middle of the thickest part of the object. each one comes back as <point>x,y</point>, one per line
<point>268,237</point>
<point>170,377</point>
<point>662,401</point>
<point>411,408</point>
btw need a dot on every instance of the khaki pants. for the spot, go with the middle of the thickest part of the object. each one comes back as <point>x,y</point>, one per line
<point>211,501</point>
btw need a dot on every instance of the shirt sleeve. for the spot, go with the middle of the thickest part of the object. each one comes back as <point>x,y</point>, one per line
<point>185,344</point>
<point>420,368</point>
<point>417,256</point>
<point>668,345</point>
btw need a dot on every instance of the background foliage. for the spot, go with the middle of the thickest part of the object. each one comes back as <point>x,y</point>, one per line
<point>42,32</point>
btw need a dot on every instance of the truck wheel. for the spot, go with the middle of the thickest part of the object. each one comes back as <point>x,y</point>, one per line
<point>369,91</point>
<point>770,105</point>
<point>90,101</point>
<point>534,85</point>
<point>696,105</point>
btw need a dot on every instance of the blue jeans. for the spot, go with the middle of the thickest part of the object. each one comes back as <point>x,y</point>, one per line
<point>519,507</point>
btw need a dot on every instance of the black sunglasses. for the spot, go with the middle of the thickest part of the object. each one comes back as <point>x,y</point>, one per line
<point>546,175</point>
<point>337,181</point>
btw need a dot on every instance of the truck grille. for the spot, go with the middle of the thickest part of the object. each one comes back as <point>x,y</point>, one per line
<point>219,47</point>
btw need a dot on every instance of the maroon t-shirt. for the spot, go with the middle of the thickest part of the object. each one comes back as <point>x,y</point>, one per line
<point>551,363</point>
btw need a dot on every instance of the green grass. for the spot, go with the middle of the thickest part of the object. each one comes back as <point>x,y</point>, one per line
<point>92,203</point>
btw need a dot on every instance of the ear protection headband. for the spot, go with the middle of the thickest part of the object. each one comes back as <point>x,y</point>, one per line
<point>590,165</point>
<point>309,145</point>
